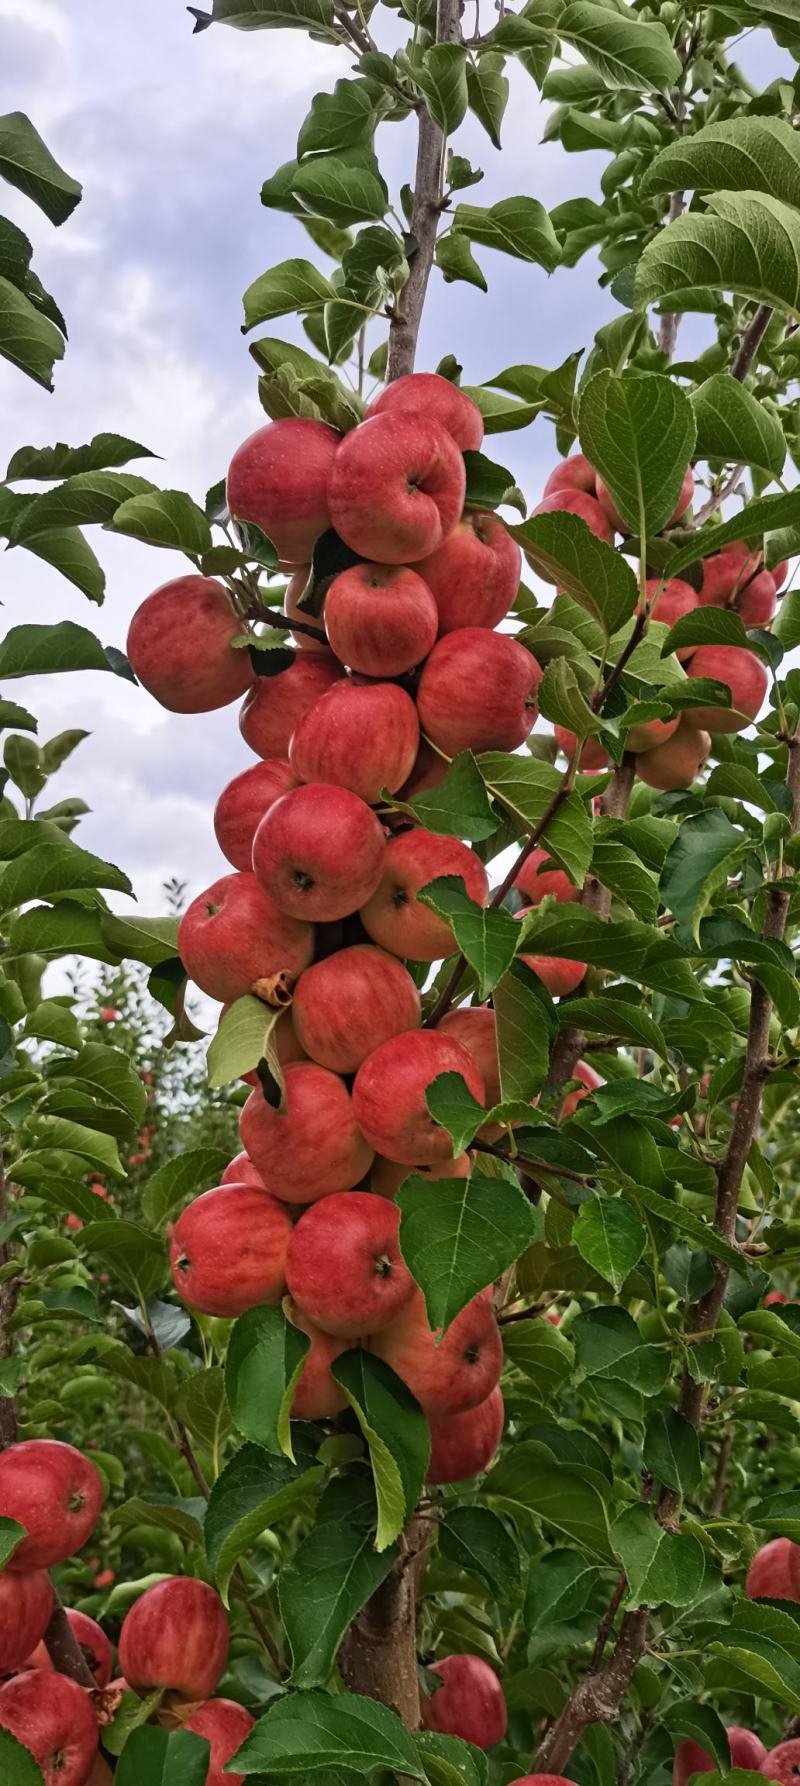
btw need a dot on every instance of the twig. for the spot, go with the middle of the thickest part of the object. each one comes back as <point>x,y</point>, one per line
<point>8,1303</point>
<point>670,322</point>
<point>528,1164</point>
<point>64,1649</point>
<point>428,189</point>
<point>751,341</point>
<point>606,1622</point>
<point>717,1501</point>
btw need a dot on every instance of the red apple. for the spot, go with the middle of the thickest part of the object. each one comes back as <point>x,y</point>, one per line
<point>320,852</point>
<point>775,1298</point>
<point>347,1004</point>
<point>344,1267</point>
<point>92,1639</point>
<point>386,1176</point>
<point>381,619</point>
<point>397,487</point>
<point>438,399</point>
<point>589,1081</point>
<point>179,645</point>
<point>745,676</point>
<point>224,1724</point>
<point>732,581</point>
<point>559,975</point>
<point>175,1636</point>
<point>241,1170</point>
<point>575,502</point>
<point>475,1027</point>
<point>670,601</point>
<point>574,473</point>
<point>394,917</point>
<point>293,611</point>
<point>463,1445</point>
<point>318,1396</point>
<point>470,1704</point>
<point>651,734</point>
<point>26,1602</point>
<point>312,1148</point>
<point>746,1751</point>
<point>542,1780</point>
<point>447,1374</point>
<point>781,1764</point>
<point>361,736</point>
<point>278,479</point>
<point>474,575</point>
<point>56,1493</point>
<point>234,939</point>
<point>677,763</point>
<point>477,692</point>
<point>243,803</point>
<point>429,771</point>
<point>607,505</point>
<point>56,1722</point>
<point>389,1095</point>
<point>228,1250</point>
<point>774,1573</point>
<point>593,754</point>
<point>780,572</point>
<point>538,876</point>
<point>276,704</point>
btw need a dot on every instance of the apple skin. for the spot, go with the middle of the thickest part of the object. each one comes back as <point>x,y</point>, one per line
<point>224,1724</point>
<point>429,771</point>
<point>428,394</point>
<point>670,603</point>
<point>312,1149</point>
<point>475,1027</point>
<point>278,479</point>
<point>774,1573</point>
<point>538,877</point>
<point>593,756</point>
<point>747,1751</point>
<point>228,1250</point>
<point>781,1764</point>
<point>471,1703</point>
<point>607,505</point>
<point>319,850</point>
<point>477,692</point>
<point>389,1095</point>
<point>386,1176</point>
<point>26,1602</point>
<point>275,705</point>
<point>650,735</point>
<point>542,1780</point>
<point>234,939</point>
<point>93,1642</point>
<point>746,677</point>
<point>458,1373</point>
<point>179,645</point>
<point>57,1723</point>
<point>381,619</point>
<point>574,473</point>
<point>463,1445</point>
<point>474,575</point>
<point>559,975</point>
<point>732,581</point>
<point>576,502</point>
<point>344,1267</point>
<point>346,1005</point>
<point>775,1298</point>
<point>394,918</point>
<point>175,1636</point>
<point>293,611</point>
<point>242,804</point>
<point>56,1493</point>
<point>318,1396</point>
<point>241,1170</point>
<point>361,736</point>
<point>397,487</point>
<point>677,763</point>
<point>590,1080</point>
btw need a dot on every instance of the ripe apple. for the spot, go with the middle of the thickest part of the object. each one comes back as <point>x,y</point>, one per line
<point>381,619</point>
<point>589,1081</point>
<point>746,1749</point>
<point>575,502</point>
<point>386,1176</point>
<point>240,1170</point>
<point>574,473</point>
<point>26,1602</point>
<point>428,394</point>
<point>538,876</point>
<point>361,736</point>
<point>397,487</point>
<point>650,735</point>
<point>179,645</point>
<point>315,1146</point>
<point>175,1636</point>
<point>677,763</point>
<point>474,575</point>
<point>781,1764</point>
<point>780,572</point>
<point>744,675</point>
<point>725,572</point>
<point>542,1780</point>
<point>242,804</point>
<point>278,479</point>
<point>293,611</point>
<point>477,692</point>
<point>344,1267</point>
<point>670,601</point>
<point>56,1723</point>
<point>607,505</point>
<point>463,1445</point>
<point>228,1250</point>
<point>275,704</point>
<point>774,1573</point>
<point>319,850</point>
<point>224,1724</point>
<point>429,770</point>
<point>389,1095</point>
<point>318,1396</point>
<point>559,975</point>
<point>91,1638</point>
<point>775,1298</point>
<point>459,1371</point>
<point>395,918</point>
<point>56,1493</point>
<point>470,1703</point>
<point>733,581</point>
<point>234,939</point>
<point>475,1027</point>
<point>593,755</point>
<point>347,1004</point>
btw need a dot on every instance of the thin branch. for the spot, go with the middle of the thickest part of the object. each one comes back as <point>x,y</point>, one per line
<point>717,1502</point>
<point>428,191</point>
<point>751,341</point>
<point>64,1649</point>
<point>670,322</point>
<point>528,1164</point>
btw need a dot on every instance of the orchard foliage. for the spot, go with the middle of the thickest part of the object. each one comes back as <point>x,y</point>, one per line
<point>616,888</point>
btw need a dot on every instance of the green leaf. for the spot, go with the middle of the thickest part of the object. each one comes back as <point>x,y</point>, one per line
<point>56,867</point>
<point>186,1175</point>
<point>265,1356</point>
<point>610,1237</point>
<point>564,550</point>
<point>163,1758</point>
<point>490,486</point>
<point>345,187</point>
<point>706,625</point>
<point>531,1478</point>
<point>458,1234</point>
<point>559,1586</point>
<point>610,1016</point>
<point>50,650</point>
<point>662,1567</point>
<point>459,806</point>
<point>542,1353</point>
<point>275,15</point>
<point>628,947</point>
<point>52,1022</point>
<point>293,285</point>
<point>254,1492</point>
<point>562,701</point>
<point>684,1221</point>
<point>621,871</point>
<point>518,226</point>
<point>26,162</point>
<point>451,1103</point>
<point>330,1577</point>
<point>638,430</point>
<point>488,939</point>
<point>89,496</point>
<point>526,786</point>
<point>746,154</point>
<point>672,1450</point>
<point>185,1517</point>
<point>441,77</point>
<point>617,1365</point>
<point>455,260</point>
<point>706,851</point>
<point>703,1724</point>
<point>778,1515</point>
<point>475,1539</point>
<point>27,338</point>
<point>744,243</point>
<point>165,518</point>
<point>18,1765</point>
<point>132,1254</point>
<point>488,90</point>
<point>758,1653</point>
<point>68,552</point>
<point>343,119</point>
<point>203,1407</point>
<point>396,1433</point>
<point>104,453</point>
<point>11,1536</point>
<point>733,425</point>
<point>767,514</point>
<point>526,1028</point>
<point>450,1762</point>
<point>151,940</point>
<point>244,1037</point>
<point>305,1733</point>
<point>626,51</point>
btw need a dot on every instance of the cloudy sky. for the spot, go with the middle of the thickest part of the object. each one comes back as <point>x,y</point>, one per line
<point>172,136</point>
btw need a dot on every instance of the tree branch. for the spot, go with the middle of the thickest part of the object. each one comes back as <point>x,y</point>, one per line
<point>669,323</point>
<point>428,191</point>
<point>8,1303</point>
<point>64,1649</point>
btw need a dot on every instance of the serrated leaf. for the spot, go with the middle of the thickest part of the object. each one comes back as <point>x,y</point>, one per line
<point>245,1036</point>
<point>330,1577</point>
<point>530,1477</point>
<point>672,1450</point>
<point>187,1174</point>
<point>733,425</point>
<point>526,1028</point>
<point>396,1433</point>
<point>526,786</point>
<point>88,497</point>
<point>638,430</point>
<point>441,76</point>
<point>50,650</point>
<point>27,338</point>
<point>562,701</point>
<point>731,155</point>
<point>163,1758</point>
<point>254,1492</point>
<point>488,939</point>
<point>26,162</point>
<point>488,90</point>
<point>455,260</point>
<point>293,285</point>
<point>458,1234</point>
<point>744,242</point>
<point>305,1733</point>
<point>662,1567</point>
<point>345,187</point>
<point>459,806</point>
<point>475,1539</point>
<point>627,52</point>
<point>564,550</point>
<point>104,452</point>
<point>517,226</point>
<point>706,852</point>
<point>265,1356</point>
<point>343,119</point>
<point>610,1237</point>
<point>165,518</point>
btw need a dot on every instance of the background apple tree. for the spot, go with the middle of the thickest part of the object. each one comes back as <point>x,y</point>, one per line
<point>631,1235</point>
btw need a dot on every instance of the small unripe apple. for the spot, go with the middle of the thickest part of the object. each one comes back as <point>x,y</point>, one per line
<point>429,395</point>
<point>746,1750</point>
<point>574,473</point>
<point>56,1493</point>
<point>474,575</point>
<point>774,1573</point>
<point>475,1027</point>
<point>224,1724</point>
<point>179,645</point>
<point>242,804</point>
<point>590,1080</point>
<point>463,1445</point>
<point>448,1374</point>
<point>745,676</point>
<point>361,736</point>
<point>26,1602</point>
<point>389,1095</point>
<point>56,1722</point>
<point>395,918</point>
<point>312,1148</point>
<point>396,489</point>
<point>318,1396</point>
<point>278,479</point>
<point>781,1764</point>
<point>344,1267</point>
<point>538,876</point>
<point>91,1638</point>
<point>677,763</point>
<point>381,619</point>
<point>320,852</point>
<point>275,705</point>
<point>593,754</point>
<point>175,1636</point>
<point>228,1250</point>
<point>234,939</point>
<point>470,1703</point>
<point>347,1004</point>
<point>386,1176</point>
<point>477,692</point>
